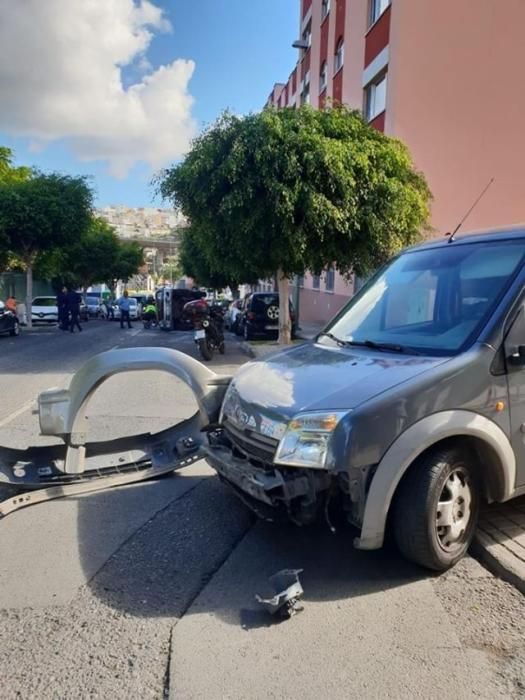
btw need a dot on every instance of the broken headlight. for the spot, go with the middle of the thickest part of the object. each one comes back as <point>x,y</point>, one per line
<point>306,440</point>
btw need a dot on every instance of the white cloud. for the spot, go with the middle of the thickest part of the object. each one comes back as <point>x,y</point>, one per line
<point>61,67</point>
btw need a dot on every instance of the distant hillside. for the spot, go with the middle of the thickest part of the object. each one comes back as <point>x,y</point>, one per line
<point>143,222</point>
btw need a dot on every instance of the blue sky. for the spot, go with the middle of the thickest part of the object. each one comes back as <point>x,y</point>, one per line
<point>239,47</point>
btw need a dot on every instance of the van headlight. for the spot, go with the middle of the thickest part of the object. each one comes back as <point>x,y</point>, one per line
<point>306,440</point>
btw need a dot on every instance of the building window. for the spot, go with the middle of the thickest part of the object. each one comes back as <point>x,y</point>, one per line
<point>339,55</point>
<point>377,7</point>
<point>307,36</point>
<point>375,98</point>
<point>329,279</point>
<point>305,92</point>
<point>325,9</point>
<point>316,281</point>
<point>323,77</point>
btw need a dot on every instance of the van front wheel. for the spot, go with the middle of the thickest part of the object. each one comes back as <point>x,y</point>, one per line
<point>436,509</point>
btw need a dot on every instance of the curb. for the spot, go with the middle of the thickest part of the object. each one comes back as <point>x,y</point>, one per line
<point>499,560</point>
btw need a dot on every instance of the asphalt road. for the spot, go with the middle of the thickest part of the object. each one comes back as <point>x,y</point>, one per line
<point>148,591</point>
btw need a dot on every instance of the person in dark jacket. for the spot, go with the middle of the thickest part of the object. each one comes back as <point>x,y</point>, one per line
<point>73,305</point>
<point>63,314</point>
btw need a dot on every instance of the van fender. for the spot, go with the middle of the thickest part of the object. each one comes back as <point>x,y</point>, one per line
<point>412,443</point>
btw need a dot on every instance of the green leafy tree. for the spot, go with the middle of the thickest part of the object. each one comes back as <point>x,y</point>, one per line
<point>9,173</point>
<point>195,264</point>
<point>129,259</point>
<point>41,214</point>
<point>93,257</point>
<point>285,191</point>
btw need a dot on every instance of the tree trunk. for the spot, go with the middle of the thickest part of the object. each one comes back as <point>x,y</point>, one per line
<point>29,294</point>
<point>285,329</point>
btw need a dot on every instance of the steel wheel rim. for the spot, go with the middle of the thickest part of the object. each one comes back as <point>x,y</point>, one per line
<point>273,313</point>
<point>454,510</point>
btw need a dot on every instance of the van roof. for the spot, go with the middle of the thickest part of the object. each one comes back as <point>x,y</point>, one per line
<point>485,236</point>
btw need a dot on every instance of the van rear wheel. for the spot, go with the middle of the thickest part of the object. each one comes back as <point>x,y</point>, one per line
<point>436,509</point>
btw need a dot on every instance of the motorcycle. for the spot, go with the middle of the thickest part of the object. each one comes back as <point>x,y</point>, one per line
<point>208,324</point>
<point>149,320</point>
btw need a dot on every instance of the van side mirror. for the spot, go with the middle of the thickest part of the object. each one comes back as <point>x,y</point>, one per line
<point>517,358</point>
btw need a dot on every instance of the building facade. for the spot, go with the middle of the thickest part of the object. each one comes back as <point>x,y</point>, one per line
<point>441,75</point>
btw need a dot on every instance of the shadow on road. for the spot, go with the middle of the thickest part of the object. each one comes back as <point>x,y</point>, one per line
<point>164,567</point>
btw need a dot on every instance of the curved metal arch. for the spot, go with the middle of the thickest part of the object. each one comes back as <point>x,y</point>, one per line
<point>412,443</point>
<point>63,412</point>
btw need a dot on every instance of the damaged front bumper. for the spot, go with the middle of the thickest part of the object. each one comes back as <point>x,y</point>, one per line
<point>63,414</point>
<point>273,493</point>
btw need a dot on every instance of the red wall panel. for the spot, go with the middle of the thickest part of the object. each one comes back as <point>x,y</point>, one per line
<point>379,122</point>
<point>378,37</point>
<point>338,87</point>
<point>323,51</point>
<point>305,64</point>
<point>340,12</point>
<point>306,6</point>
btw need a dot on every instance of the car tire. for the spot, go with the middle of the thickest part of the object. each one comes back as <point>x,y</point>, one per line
<point>436,508</point>
<point>272,313</point>
<point>15,331</point>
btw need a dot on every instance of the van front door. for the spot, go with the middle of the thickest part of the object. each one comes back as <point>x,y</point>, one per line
<point>516,386</point>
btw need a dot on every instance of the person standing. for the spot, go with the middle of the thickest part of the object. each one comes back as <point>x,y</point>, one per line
<point>63,313</point>
<point>11,304</point>
<point>124,306</point>
<point>109,303</point>
<point>73,306</point>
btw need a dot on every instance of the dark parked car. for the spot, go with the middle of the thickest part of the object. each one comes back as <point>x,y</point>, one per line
<point>260,316</point>
<point>8,321</point>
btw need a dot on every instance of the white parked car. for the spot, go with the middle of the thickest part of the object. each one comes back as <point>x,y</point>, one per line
<point>133,310</point>
<point>44,310</point>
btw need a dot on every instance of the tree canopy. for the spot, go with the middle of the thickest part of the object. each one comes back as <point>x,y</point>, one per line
<point>204,270</point>
<point>40,214</point>
<point>286,191</point>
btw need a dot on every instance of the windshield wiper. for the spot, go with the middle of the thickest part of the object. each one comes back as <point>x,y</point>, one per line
<point>392,347</point>
<point>333,337</point>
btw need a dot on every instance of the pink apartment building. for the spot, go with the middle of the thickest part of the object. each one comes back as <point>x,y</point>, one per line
<point>443,76</point>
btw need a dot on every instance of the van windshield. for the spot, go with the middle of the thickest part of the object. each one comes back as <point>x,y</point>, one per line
<point>432,301</point>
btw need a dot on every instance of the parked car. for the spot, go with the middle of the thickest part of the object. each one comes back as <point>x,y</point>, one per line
<point>84,312</point>
<point>133,310</point>
<point>260,316</point>
<point>232,315</point>
<point>93,306</point>
<point>8,321</point>
<point>44,310</point>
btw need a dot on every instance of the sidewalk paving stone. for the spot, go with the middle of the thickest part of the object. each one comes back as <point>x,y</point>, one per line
<point>500,541</point>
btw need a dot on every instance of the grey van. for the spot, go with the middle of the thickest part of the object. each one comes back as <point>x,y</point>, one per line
<point>407,410</point>
<point>404,414</point>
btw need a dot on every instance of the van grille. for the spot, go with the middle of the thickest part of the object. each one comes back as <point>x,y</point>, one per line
<point>251,444</point>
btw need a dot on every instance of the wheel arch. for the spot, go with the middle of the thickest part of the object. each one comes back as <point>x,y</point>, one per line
<point>491,446</point>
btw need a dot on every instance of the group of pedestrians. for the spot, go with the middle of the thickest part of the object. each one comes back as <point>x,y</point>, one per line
<point>68,303</point>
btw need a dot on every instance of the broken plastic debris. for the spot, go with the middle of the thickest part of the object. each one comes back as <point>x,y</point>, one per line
<point>288,591</point>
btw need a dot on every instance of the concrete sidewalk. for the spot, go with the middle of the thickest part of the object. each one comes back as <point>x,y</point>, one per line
<point>500,541</point>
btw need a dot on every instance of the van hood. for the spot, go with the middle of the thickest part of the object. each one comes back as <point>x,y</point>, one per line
<point>313,377</point>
